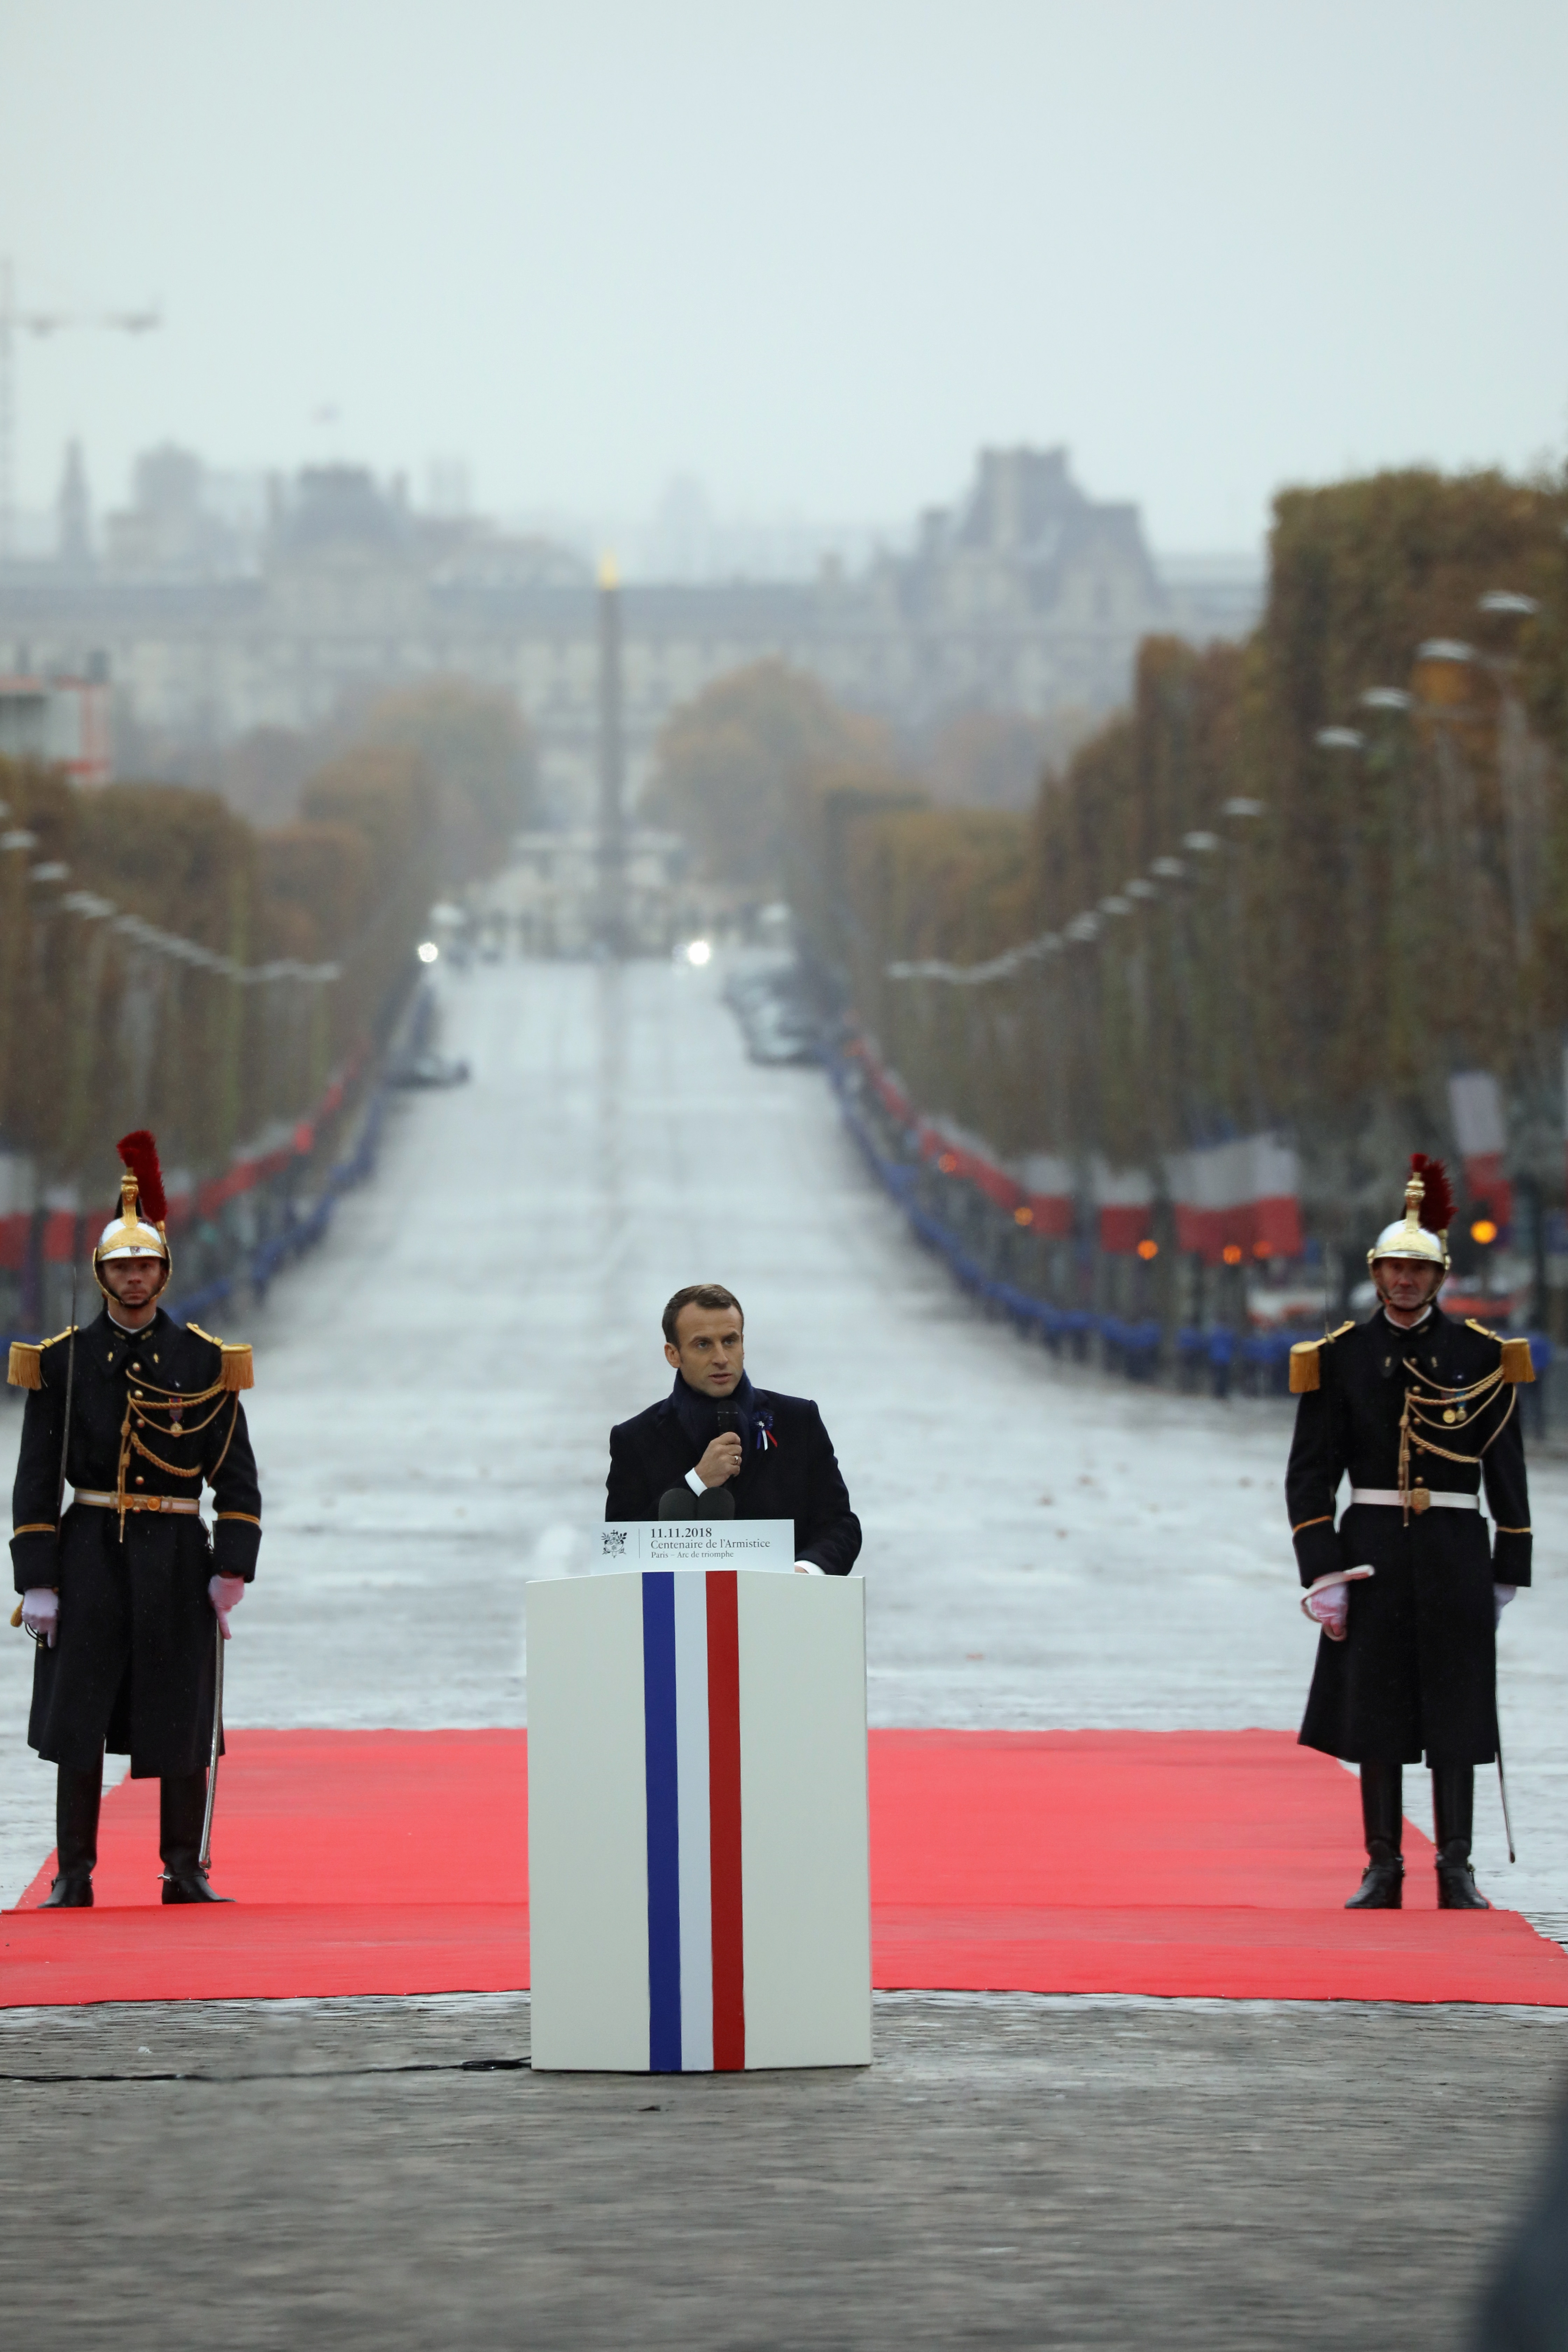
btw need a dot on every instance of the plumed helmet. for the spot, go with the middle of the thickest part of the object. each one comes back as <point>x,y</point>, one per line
<point>1423,1231</point>
<point>138,1230</point>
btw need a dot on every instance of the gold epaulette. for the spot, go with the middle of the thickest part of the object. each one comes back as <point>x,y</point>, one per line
<point>237,1370</point>
<point>1306,1372</point>
<point>1518,1365</point>
<point>26,1369</point>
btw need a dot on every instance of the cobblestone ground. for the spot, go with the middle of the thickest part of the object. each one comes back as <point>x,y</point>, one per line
<point>1236,2177</point>
<point>1043,1547</point>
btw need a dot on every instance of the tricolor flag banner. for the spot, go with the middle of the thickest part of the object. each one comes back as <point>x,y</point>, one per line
<point>697,1868</point>
<point>1048,1192</point>
<point>1245,1194</point>
<point>1124,1200</point>
<point>1475,1109</point>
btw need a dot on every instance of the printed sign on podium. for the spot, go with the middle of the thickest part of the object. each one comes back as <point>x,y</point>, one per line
<point>699,1885</point>
<point>694,1543</point>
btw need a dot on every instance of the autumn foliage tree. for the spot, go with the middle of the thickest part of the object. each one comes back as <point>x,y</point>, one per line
<point>736,766</point>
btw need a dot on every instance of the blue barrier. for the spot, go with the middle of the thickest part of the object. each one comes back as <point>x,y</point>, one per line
<point>1133,1348</point>
<point>301,1233</point>
<point>1135,1345</point>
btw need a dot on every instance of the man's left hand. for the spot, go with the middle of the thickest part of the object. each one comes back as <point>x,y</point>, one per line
<point>225,1592</point>
<point>808,1568</point>
<point>41,1614</point>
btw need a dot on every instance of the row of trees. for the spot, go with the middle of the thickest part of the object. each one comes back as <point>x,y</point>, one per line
<point>1298,884</point>
<point>164,963</point>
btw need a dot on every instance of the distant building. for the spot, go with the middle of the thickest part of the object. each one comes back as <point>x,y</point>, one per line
<point>1027,596</point>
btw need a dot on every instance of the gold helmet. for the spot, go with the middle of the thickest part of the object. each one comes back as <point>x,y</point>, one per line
<point>138,1230</point>
<point>1423,1231</point>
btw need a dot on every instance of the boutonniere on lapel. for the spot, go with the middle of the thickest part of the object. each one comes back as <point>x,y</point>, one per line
<point>764,1427</point>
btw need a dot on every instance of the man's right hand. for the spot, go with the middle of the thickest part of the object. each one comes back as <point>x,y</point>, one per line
<point>722,1459</point>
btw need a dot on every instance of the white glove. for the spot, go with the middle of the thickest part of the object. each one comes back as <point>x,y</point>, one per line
<point>1501,1595</point>
<point>41,1613</point>
<point>1330,1606</point>
<point>225,1592</point>
<point>808,1568</point>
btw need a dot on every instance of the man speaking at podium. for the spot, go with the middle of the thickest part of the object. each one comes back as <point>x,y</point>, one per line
<point>714,1429</point>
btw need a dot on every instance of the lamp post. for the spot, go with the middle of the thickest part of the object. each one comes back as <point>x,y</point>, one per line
<point>610,911</point>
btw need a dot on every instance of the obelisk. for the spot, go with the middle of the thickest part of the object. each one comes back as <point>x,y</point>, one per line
<point>610,926</point>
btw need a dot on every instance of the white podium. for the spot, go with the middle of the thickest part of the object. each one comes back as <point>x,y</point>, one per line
<point>698,1880</point>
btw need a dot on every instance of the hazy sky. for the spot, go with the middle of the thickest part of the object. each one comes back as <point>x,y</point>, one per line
<point>816,252</point>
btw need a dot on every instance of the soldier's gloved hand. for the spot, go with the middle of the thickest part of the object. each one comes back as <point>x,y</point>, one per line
<point>41,1614</point>
<point>225,1592</point>
<point>1501,1595</point>
<point>1330,1606</point>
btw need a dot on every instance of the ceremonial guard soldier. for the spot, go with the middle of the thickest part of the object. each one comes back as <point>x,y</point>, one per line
<point>120,1595</point>
<point>1418,1411</point>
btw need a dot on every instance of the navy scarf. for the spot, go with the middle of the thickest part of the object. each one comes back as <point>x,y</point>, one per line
<point>698,1415</point>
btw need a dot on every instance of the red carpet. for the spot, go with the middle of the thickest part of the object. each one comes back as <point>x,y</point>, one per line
<point>1168,1862</point>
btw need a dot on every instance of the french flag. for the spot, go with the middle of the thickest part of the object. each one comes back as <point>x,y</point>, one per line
<point>698,1878</point>
<point>691,1731</point>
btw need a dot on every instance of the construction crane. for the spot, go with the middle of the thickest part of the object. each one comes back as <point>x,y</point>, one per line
<point>13,324</point>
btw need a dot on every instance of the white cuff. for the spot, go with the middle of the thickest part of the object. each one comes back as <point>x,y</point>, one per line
<point>811,1568</point>
<point>695,1483</point>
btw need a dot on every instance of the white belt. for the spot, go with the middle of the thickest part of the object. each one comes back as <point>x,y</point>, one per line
<point>1421,1499</point>
<point>186,1503</point>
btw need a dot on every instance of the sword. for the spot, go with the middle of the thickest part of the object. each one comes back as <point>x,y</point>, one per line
<point>1502,1792</point>
<point>205,1858</point>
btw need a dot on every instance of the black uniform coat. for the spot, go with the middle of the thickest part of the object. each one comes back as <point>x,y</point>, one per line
<point>133,1664</point>
<point>1416,1672</point>
<point>797,1477</point>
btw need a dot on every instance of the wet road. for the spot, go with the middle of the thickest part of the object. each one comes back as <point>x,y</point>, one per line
<point>434,1387</point>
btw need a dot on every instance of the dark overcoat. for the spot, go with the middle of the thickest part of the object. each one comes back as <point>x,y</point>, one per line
<point>796,1477</point>
<point>1416,1676</point>
<point>132,1666</point>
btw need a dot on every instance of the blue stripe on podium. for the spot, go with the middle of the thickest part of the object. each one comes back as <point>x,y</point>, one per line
<point>663,1822</point>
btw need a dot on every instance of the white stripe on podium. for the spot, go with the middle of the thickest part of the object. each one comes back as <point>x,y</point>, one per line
<point>691,1766</point>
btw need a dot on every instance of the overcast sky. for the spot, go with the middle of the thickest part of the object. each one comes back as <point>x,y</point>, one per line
<point>814,252</point>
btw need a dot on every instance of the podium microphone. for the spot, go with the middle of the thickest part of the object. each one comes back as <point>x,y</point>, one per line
<point>680,1503</point>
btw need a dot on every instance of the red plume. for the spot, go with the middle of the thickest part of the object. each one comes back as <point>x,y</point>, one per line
<point>140,1152</point>
<point>1437,1201</point>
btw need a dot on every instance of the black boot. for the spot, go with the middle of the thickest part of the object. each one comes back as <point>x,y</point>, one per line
<point>77,1796</point>
<point>1453,1810</point>
<point>181,1808</point>
<point>1383,1821</point>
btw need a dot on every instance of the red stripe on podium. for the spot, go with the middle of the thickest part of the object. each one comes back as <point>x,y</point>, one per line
<point>724,1819</point>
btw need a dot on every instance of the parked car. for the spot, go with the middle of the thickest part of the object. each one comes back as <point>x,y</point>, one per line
<point>428,1069</point>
